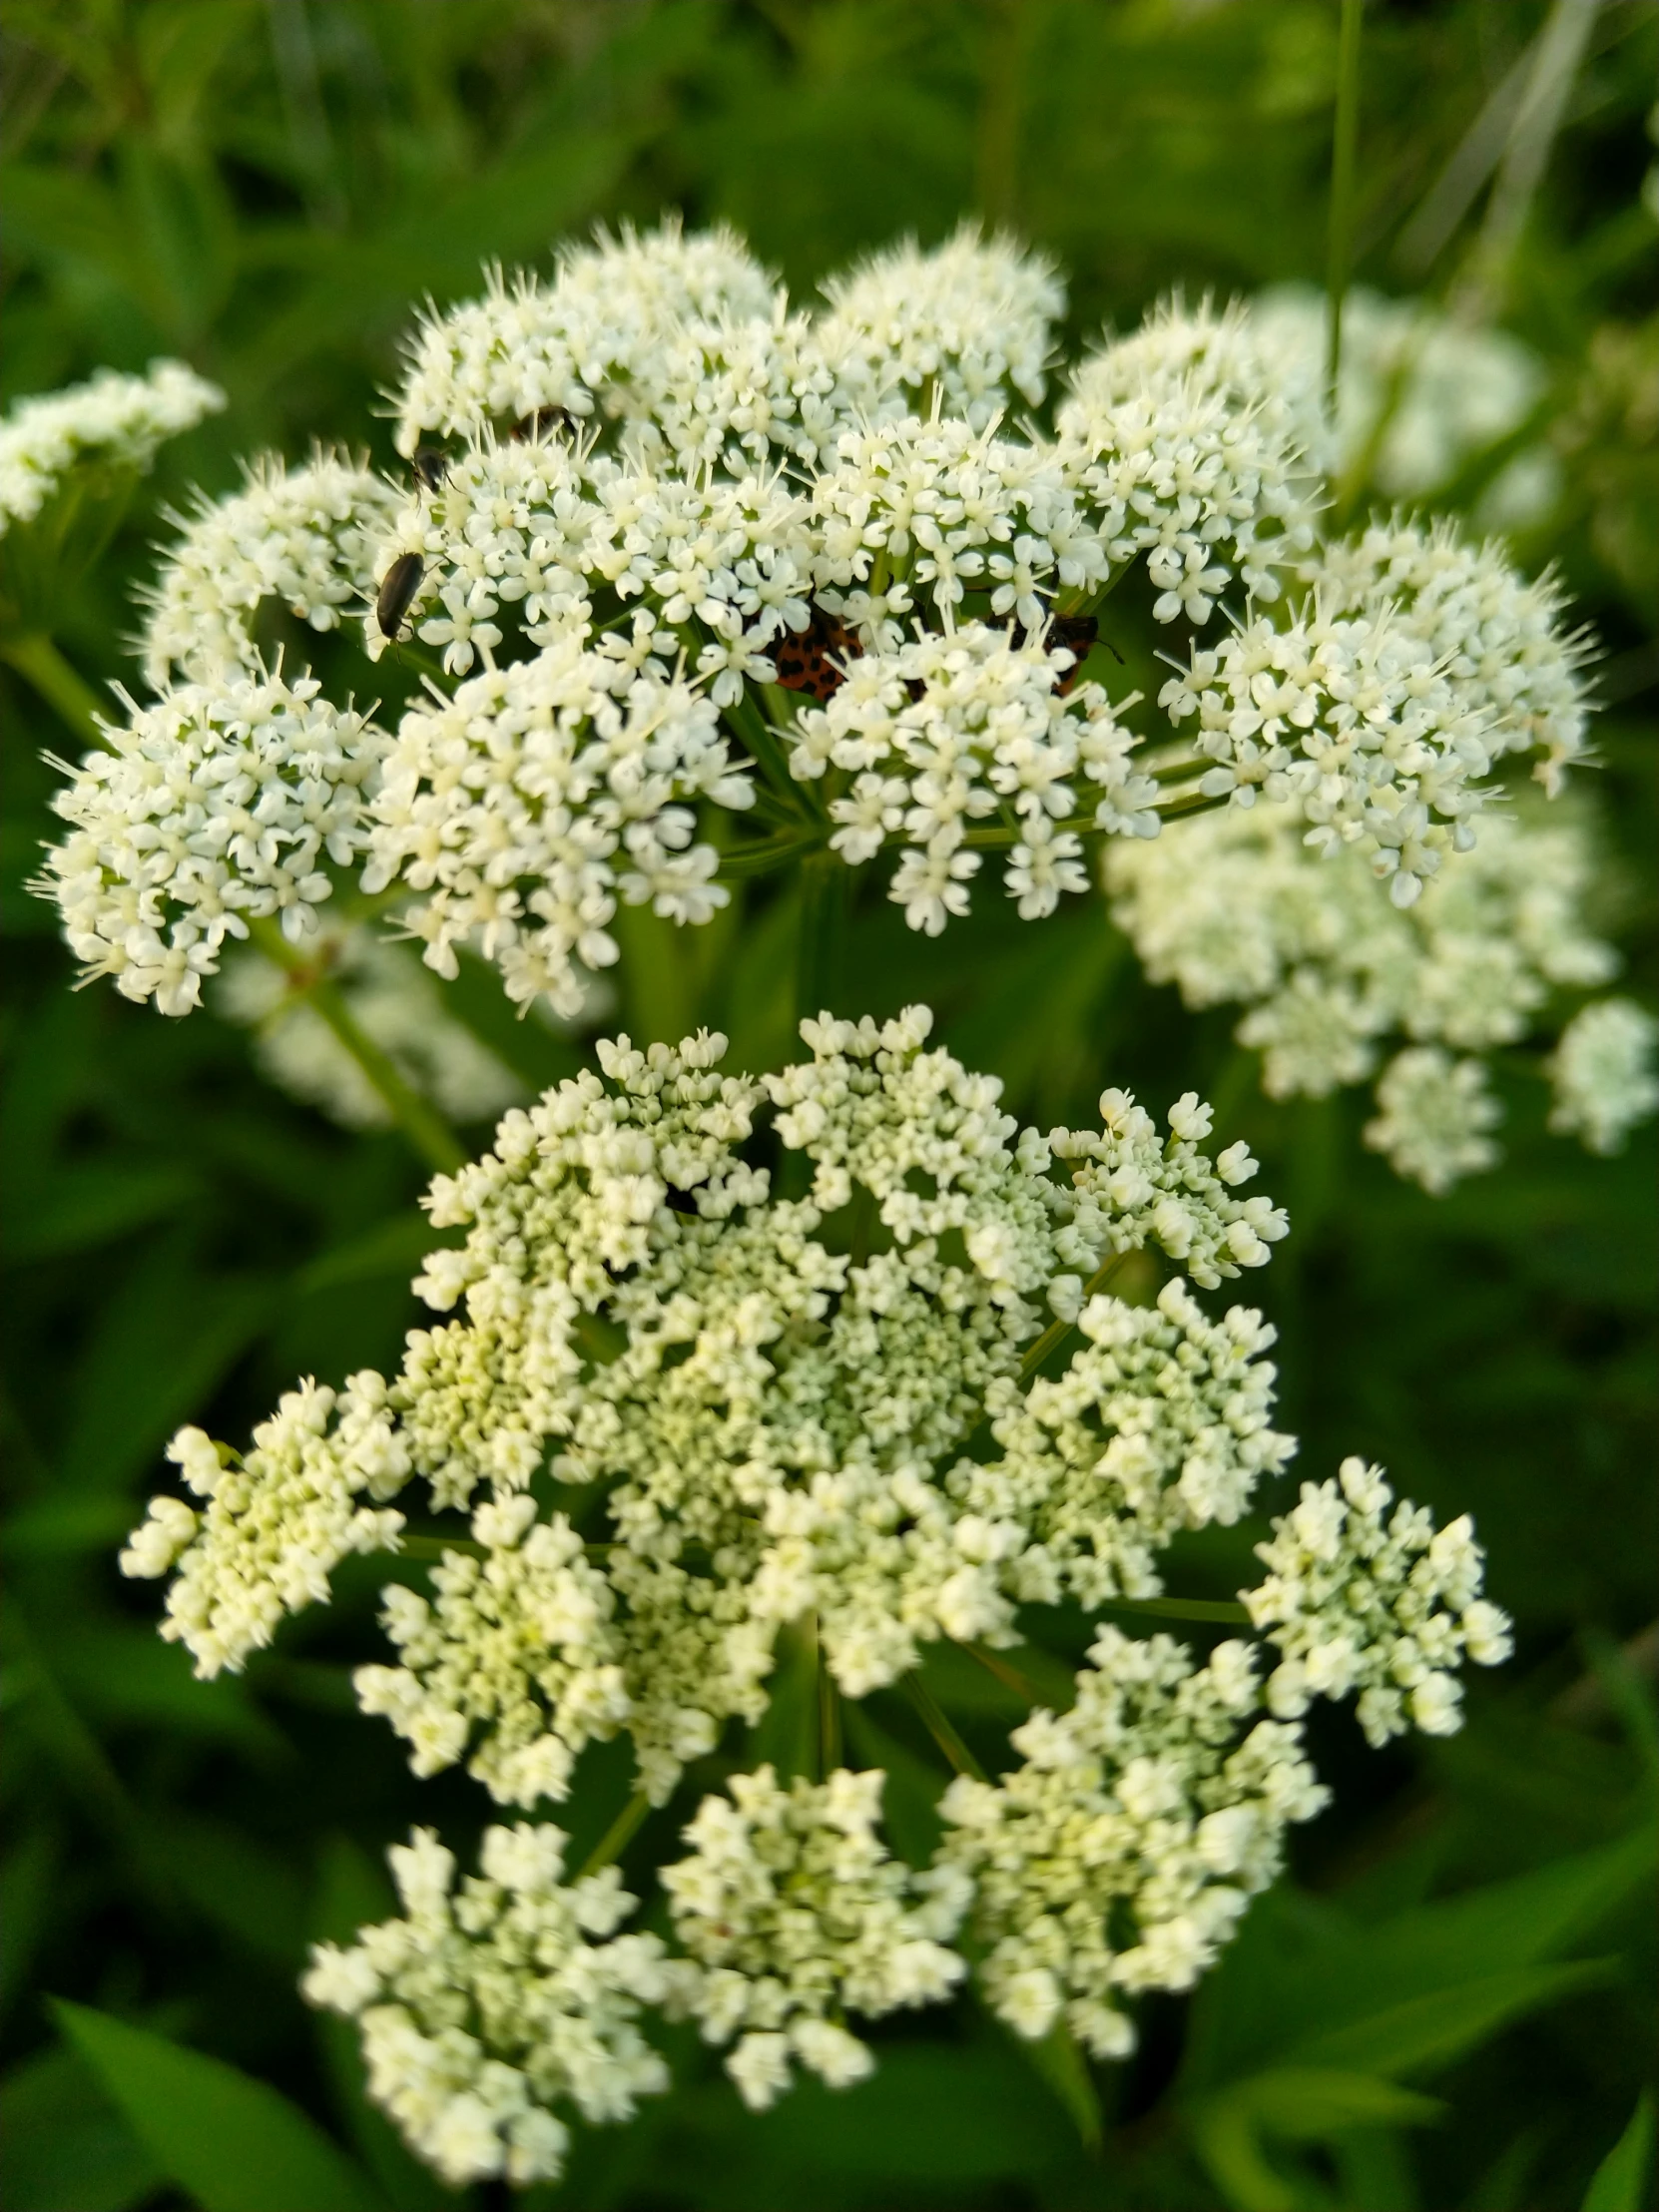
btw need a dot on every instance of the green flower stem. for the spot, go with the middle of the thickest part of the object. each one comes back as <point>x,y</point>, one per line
<point>828,1718</point>
<point>825,907</point>
<point>1178,809</point>
<point>750,728</point>
<point>425,1128</point>
<point>617,1837</point>
<point>1058,1332</point>
<point>942,1728</point>
<point>38,661</point>
<point>1221,1610</point>
<point>767,856</point>
<point>436,1548</point>
<point>1344,172</point>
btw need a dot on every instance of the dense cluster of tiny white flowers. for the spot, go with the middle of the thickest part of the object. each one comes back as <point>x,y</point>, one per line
<point>276,1521</point>
<point>305,537</point>
<point>1603,1073</point>
<point>1387,1604</point>
<point>113,421</point>
<point>1352,715</point>
<point>219,804</point>
<point>518,810</point>
<point>781,1425</point>
<point>1435,1118</point>
<point>838,1413</point>
<point>1119,1855</point>
<point>394,1004</point>
<point>496,2001</point>
<point>936,734</point>
<point>1419,394</point>
<point>793,1908</point>
<point>1236,909</point>
<point>1187,449</point>
<point>1496,638</point>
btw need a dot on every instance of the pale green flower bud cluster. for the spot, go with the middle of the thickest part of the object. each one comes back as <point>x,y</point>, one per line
<point>1118,1856</point>
<point>1238,910</point>
<point>1359,1599</point>
<point>793,1911</point>
<point>112,421</point>
<point>684,1415</point>
<point>497,1998</point>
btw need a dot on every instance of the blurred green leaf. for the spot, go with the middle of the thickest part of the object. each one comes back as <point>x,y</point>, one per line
<point>67,2146</point>
<point>233,2142</point>
<point>1620,2183</point>
<point>1297,2105</point>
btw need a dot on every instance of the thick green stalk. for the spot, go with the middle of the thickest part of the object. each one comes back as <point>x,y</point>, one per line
<point>425,1127</point>
<point>42,666</point>
<point>1344,172</point>
<point>1057,1332</point>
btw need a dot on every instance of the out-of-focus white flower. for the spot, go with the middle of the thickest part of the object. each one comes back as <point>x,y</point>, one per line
<point>1420,395</point>
<point>1603,1073</point>
<point>1436,1116</point>
<point>117,421</point>
<point>394,1004</point>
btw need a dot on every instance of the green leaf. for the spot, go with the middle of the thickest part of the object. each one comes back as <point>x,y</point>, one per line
<point>1300,2105</point>
<point>1620,2179</point>
<point>1430,2031</point>
<point>233,2142</point>
<point>67,2148</point>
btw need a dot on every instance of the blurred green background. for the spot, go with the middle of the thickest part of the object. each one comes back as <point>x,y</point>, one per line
<point>263,188</point>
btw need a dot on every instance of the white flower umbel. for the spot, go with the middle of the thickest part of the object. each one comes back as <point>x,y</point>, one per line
<point>793,1910</point>
<point>520,808</point>
<point>1437,1115</point>
<point>969,323</point>
<point>938,734</point>
<point>1494,636</point>
<point>398,1006</point>
<point>1356,1598</point>
<point>773,1426</point>
<point>1119,1855</point>
<point>219,804</point>
<point>1603,1073</point>
<point>879,579</point>
<point>1186,448</point>
<point>112,421</point>
<point>1355,718</point>
<point>497,2002</point>
<point>582,345</point>
<point>838,1413</point>
<point>1238,910</point>
<point>305,537</point>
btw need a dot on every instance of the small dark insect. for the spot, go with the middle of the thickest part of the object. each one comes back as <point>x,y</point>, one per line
<point>401,582</point>
<point>1076,634</point>
<point>540,422</point>
<point>431,467</point>
<point>803,657</point>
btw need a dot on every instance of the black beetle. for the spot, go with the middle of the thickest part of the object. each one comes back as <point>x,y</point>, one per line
<point>398,590</point>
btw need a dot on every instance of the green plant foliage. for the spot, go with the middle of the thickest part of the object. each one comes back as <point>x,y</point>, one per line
<point>1447,2004</point>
